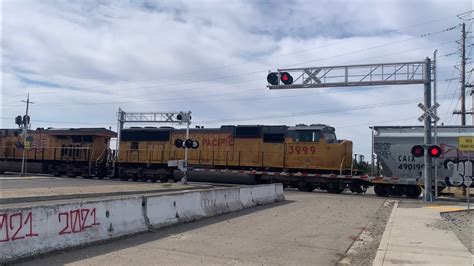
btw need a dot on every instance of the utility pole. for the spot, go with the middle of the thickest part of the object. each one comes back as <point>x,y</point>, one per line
<point>463,76</point>
<point>472,101</point>
<point>435,131</point>
<point>25,126</point>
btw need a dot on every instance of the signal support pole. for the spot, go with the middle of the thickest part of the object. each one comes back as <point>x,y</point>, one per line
<point>435,133</point>
<point>26,126</point>
<point>463,76</point>
<point>428,195</point>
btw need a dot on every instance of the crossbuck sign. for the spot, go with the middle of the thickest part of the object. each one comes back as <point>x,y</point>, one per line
<point>428,112</point>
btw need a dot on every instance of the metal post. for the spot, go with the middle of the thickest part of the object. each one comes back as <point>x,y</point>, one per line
<point>427,196</point>
<point>372,155</point>
<point>435,133</point>
<point>25,126</point>
<point>467,189</point>
<point>472,100</point>
<point>119,130</point>
<point>184,180</point>
<point>463,75</point>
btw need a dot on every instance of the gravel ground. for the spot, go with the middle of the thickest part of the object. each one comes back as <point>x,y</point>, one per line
<point>461,223</point>
<point>364,248</point>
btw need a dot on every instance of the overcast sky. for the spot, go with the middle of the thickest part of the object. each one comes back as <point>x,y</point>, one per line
<point>82,60</point>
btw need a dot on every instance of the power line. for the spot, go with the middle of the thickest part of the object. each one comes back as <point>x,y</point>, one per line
<point>314,60</point>
<point>342,109</point>
<point>334,110</point>
<point>377,46</point>
<point>62,103</point>
<point>378,122</point>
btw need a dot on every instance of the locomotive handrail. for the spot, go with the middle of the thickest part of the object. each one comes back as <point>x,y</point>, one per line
<point>342,163</point>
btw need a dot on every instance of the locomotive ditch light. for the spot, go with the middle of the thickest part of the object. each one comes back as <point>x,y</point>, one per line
<point>417,151</point>
<point>286,78</point>
<point>178,143</point>
<point>272,78</point>
<point>434,151</point>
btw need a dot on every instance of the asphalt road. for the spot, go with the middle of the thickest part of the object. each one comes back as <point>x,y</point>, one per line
<point>308,229</point>
<point>46,181</point>
<point>10,182</point>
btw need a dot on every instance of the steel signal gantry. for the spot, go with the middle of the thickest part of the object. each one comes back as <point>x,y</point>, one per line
<point>350,75</point>
<point>403,73</point>
<point>158,118</point>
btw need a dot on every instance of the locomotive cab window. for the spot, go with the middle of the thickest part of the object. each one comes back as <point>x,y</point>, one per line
<point>307,136</point>
<point>329,135</point>
<point>134,145</point>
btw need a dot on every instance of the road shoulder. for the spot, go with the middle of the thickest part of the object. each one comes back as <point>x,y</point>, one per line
<point>364,248</point>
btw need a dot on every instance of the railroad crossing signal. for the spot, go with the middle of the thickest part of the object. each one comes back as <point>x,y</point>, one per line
<point>417,151</point>
<point>274,77</point>
<point>428,112</point>
<point>187,143</point>
<point>183,117</point>
<point>434,151</point>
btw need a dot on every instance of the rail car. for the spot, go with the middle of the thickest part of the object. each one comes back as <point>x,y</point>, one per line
<point>72,152</point>
<point>392,145</point>
<point>144,154</point>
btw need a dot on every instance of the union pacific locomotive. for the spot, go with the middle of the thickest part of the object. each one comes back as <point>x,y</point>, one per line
<point>145,152</point>
<point>72,152</point>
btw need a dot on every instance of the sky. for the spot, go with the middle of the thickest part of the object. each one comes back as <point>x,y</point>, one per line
<point>82,60</point>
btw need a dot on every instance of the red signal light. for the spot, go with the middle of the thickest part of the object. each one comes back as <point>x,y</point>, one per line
<point>434,151</point>
<point>286,78</point>
<point>417,151</point>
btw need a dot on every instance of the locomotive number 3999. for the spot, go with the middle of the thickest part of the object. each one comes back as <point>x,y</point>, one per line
<point>301,149</point>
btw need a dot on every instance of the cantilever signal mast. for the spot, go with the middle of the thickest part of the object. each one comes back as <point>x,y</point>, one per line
<point>402,73</point>
<point>25,126</point>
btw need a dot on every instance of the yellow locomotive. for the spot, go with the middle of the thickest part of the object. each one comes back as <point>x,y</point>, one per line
<point>144,153</point>
<point>72,152</point>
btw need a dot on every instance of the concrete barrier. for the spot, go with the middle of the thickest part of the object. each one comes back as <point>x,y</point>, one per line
<point>30,231</point>
<point>34,230</point>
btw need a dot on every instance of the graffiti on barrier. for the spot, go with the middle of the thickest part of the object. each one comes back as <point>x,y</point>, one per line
<point>16,226</point>
<point>78,220</point>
